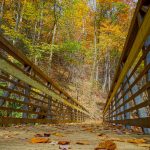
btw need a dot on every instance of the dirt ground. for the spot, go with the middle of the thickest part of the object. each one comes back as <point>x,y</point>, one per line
<point>88,135</point>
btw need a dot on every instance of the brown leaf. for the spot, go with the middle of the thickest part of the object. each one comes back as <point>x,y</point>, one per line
<point>39,140</point>
<point>47,134</point>
<point>136,141</point>
<point>107,145</point>
<point>63,142</point>
<point>38,135</point>
<point>83,142</point>
<point>101,134</point>
<point>88,129</point>
<point>117,139</point>
<point>58,134</point>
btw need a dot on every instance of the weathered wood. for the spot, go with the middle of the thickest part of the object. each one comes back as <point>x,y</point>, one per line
<point>22,94</point>
<point>138,106</point>
<point>10,69</point>
<point>22,111</point>
<point>17,54</point>
<point>136,48</point>
<point>9,120</point>
<point>21,86</point>
<point>140,122</point>
<point>128,43</point>
<point>20,102</point>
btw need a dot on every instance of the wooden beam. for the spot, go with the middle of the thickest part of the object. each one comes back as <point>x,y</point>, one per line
<point>10,120</point>
<point>17,54</point>
<point>136,48</point>
<point>10,68</point>
<point>140,122</point>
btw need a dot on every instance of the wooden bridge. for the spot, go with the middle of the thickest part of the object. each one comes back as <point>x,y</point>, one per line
<point>38,99</point>
<point>128,102</point>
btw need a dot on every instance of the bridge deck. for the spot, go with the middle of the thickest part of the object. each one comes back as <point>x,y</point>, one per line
<point>19,137</point>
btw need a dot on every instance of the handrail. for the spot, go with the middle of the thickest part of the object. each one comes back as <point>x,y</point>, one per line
<point>128,89</point>
<point>13,51</point>
<point>42,97</point>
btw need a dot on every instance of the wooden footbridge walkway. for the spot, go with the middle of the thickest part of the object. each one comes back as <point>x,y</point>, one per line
<point>38,99</point>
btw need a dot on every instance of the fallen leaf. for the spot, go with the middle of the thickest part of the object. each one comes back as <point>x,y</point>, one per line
<point>101,134</point>
<point>38,135</point>
<point>117,139</point>
<point>63,142</point>
<point>136,141</point>
<point>88,129</point>
<point>58,134</point>
<point>106,145</point>
<point>83,142</point>
<point>47,134</point>
<point>39,140</point>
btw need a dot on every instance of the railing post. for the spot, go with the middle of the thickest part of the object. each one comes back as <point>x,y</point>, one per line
<point>12,86</point>
<point>49,113</point>
<point>75,113</point>
<point>82,117</point>
<point>27,100</point>
<point>27,93</point>
<point>126,106</point>
<point>147,61</point>
<point>136,100</point>
<point>79,116</point>
<point>70,114</point>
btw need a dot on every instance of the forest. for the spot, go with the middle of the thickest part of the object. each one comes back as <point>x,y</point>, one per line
<point>78,43</point>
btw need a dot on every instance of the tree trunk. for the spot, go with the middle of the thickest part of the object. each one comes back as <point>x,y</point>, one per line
<point>97,72</point>
<point>17,17</point>
<point>40,20</point>
<point>105,72</point>
<point>109,72</point>
<point>51,50</point>
<point>1,13</point>
<point>94,55</point>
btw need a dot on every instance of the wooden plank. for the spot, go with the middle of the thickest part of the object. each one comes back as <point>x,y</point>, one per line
<point>20,102</point>
<point>12,70</point>
<point>134,95</point>
<point>10,120</point>
<point>22,94</point>
<point>129,40</point>
<point>4,44</point>
<point>135,68</point>
<point>140,122</point>
<point>29,104</point>
<point>135,82</point>
<point>20,85</point>
<point>136,107</point>
<point>136,48</point>
<point>20,110</point>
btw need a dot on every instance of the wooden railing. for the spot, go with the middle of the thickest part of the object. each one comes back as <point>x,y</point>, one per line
<point>128,101</point>
<point>27,95</point>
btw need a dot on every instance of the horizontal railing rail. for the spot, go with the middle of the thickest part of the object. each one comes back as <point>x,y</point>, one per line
<point>128,101</point>
<point>27,95</point>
